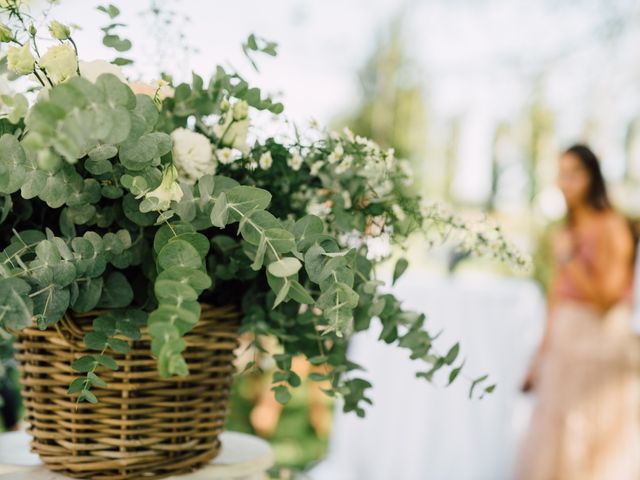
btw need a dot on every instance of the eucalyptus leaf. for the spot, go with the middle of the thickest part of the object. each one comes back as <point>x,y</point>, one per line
<point>285,267</point>
<point>117,292</point>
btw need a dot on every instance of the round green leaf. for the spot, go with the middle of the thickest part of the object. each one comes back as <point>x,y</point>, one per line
<point>285,267</point>
<point>179,254</point>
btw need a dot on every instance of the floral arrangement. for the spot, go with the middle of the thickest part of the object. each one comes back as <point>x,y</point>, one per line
<point>147,200</point>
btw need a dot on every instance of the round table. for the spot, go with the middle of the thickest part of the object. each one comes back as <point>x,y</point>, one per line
<point>243,457</point>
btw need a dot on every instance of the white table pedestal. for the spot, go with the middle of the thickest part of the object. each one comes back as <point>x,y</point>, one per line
<point>242,457</point>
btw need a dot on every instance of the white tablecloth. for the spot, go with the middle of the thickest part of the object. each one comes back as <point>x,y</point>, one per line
<point>242,457</point>
<point>416,431</point>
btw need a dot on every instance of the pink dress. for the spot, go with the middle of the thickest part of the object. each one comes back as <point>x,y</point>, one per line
<point>586,425</point>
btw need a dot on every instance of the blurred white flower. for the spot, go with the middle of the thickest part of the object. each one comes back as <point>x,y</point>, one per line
<point>407,171</point>
<point>319,209</point>
<point>252,165</point>
<point>390,158</point>
<point>345,165</point>
<point>168,191</point>
<point>93,69</point>
<point>60,62</point>
<point>348,134</point>
<point>192,155</point>
<point>379,247</point>
<point>398,212</point>
<point>315,168</point>
<point>295,161</point>
<point>225,156</point>
<point>352,239</point>
<point>20,60</point>
<point>336,155</point>
<point>383,187</point>
<point>266,161</point>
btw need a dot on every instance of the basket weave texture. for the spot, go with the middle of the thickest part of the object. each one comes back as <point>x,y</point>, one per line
<point>143,426</point>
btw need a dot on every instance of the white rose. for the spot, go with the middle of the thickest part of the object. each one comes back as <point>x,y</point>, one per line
<point>295,161</point>
<point>20,60</point>
<point>168,191</point>
<point>192,155</point>
<point>266,161</point>
<point>60,63</point>
<point>93,69</point>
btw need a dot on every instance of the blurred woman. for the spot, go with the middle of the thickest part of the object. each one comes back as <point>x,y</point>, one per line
<point>586,425</point>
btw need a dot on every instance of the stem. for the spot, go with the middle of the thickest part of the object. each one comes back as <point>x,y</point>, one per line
<point>93,370</point>
<point>75,48</point>
<point>226,130</point>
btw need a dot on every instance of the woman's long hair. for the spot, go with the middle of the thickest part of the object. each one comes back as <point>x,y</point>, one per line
<point>597,197</point>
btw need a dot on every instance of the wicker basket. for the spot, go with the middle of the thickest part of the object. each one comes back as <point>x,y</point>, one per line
<point>143,426</point>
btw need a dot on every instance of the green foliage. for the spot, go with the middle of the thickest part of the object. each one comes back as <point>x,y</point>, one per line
<point>254,44</point>
<point>108,201</point>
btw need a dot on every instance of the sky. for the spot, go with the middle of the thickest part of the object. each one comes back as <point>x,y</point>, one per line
<point>481,60</point>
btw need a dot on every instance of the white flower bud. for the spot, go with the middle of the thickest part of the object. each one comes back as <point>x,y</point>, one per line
<point>315,168</point>
<point>295,162</point>
<point>240,110</point>
<point>266,161</point>
<point>59,31</point>
<point>5,34</point>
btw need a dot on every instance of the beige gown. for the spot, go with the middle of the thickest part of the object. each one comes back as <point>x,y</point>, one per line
<point>586,425</point>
